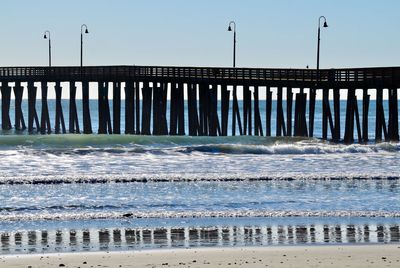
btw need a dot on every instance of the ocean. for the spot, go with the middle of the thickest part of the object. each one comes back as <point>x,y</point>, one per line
<point>63,193</point>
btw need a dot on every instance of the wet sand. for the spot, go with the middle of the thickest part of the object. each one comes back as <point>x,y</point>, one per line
<point>289,256</point>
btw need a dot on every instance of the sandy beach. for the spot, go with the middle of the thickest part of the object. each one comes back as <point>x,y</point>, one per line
<point>296,256</point>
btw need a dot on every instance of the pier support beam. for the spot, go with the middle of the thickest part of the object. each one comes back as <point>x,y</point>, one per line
<point>104,109</point>
<point>235,113</point>
<point>147,92</point>
<point>87,122</point>
<point>214,127</point>
<point>289,101</point>
<point>59,111</point>
<point>393,125</point>
<point>5,106</point>
<point>280,120</point>
<point>268,111</point>
<point>366,99</point>
<point>129,108</point>
<point>32,114</point>
<point>19,117</point>
<point>247,124</point>
<point>45,126</point>
<point>117,108</point>
<point>192,109</point>
<point>73,114</point>
<point>380,123</point>
<point>313,93</point>
<point>351,113</point>
<point>326,114</point>
<point>258,129</point>
<point>137,106</point>
<point>300,123</point>
<point>336,111</point>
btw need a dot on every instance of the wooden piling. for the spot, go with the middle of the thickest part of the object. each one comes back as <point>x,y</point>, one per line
<point>225,95</point>
<point>147,93</point>
<point>137,106</point>
<point>87,122</point>
<point>289,101</point>
<point>268,111</point>
<point>19,117</point>
<point>32,114</point>
<point>129,108</point>
<point>73,114</point>
<point>258,129</point>
<point>235,113</point>
<point>194,125</point>
<point>213,111</point>
<point>393,125</point>
<point>163,106</point>
<point>5,106</point>
<point>59,122</point>
<point>300,123</point>
<point>117,108</point>
<point>181,109</point>
<point>312,112</point>
<point>280,120</point>
<point>366,99</point>
<point>104,109</point>
<point>336,110</point>
<point>157,108</point>
<point>380,123</point>
<point>173,112</point>
<point>45,126</point>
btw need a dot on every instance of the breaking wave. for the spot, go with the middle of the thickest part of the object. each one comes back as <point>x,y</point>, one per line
<point>136,144</point>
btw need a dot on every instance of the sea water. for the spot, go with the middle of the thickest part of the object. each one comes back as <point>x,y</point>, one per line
<point>112,192</point>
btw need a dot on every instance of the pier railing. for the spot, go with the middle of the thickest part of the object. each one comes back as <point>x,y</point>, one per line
<point>380,75</point>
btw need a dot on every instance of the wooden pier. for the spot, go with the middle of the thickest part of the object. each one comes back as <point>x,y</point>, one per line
<point>195,91</point>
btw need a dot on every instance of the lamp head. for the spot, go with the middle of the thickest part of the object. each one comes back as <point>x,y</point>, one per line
<point>86,31</point>
<point>229,28</point>
<point>325,25</point>
<point>45,36</point>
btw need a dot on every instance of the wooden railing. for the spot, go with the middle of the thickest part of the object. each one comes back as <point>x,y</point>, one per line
<point>123,73</point>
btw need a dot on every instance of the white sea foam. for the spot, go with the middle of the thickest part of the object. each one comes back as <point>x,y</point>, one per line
<point>193,214</point>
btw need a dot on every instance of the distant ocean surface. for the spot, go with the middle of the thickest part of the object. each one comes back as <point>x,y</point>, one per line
<point>164,191</point>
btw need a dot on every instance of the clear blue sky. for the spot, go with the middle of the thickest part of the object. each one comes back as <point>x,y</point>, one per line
<point>271,33</point>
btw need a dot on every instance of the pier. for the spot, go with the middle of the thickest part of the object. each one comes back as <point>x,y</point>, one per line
<point>157,99</point>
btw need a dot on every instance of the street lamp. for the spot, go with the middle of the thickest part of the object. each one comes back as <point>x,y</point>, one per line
<point>234,40</point>
<point>46,35</point>
<point>319,37</point>
<point>86,32</point>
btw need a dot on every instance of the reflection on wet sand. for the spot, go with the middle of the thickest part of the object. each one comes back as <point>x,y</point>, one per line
<point>146,238</point>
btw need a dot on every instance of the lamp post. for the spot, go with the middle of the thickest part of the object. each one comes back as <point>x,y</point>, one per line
<point>234,40</point>
<point>86,32</point>
<point>46,35</point>
<point>319,38</point>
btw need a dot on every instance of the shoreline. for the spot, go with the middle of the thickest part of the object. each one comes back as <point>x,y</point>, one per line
<point>374,255</point>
